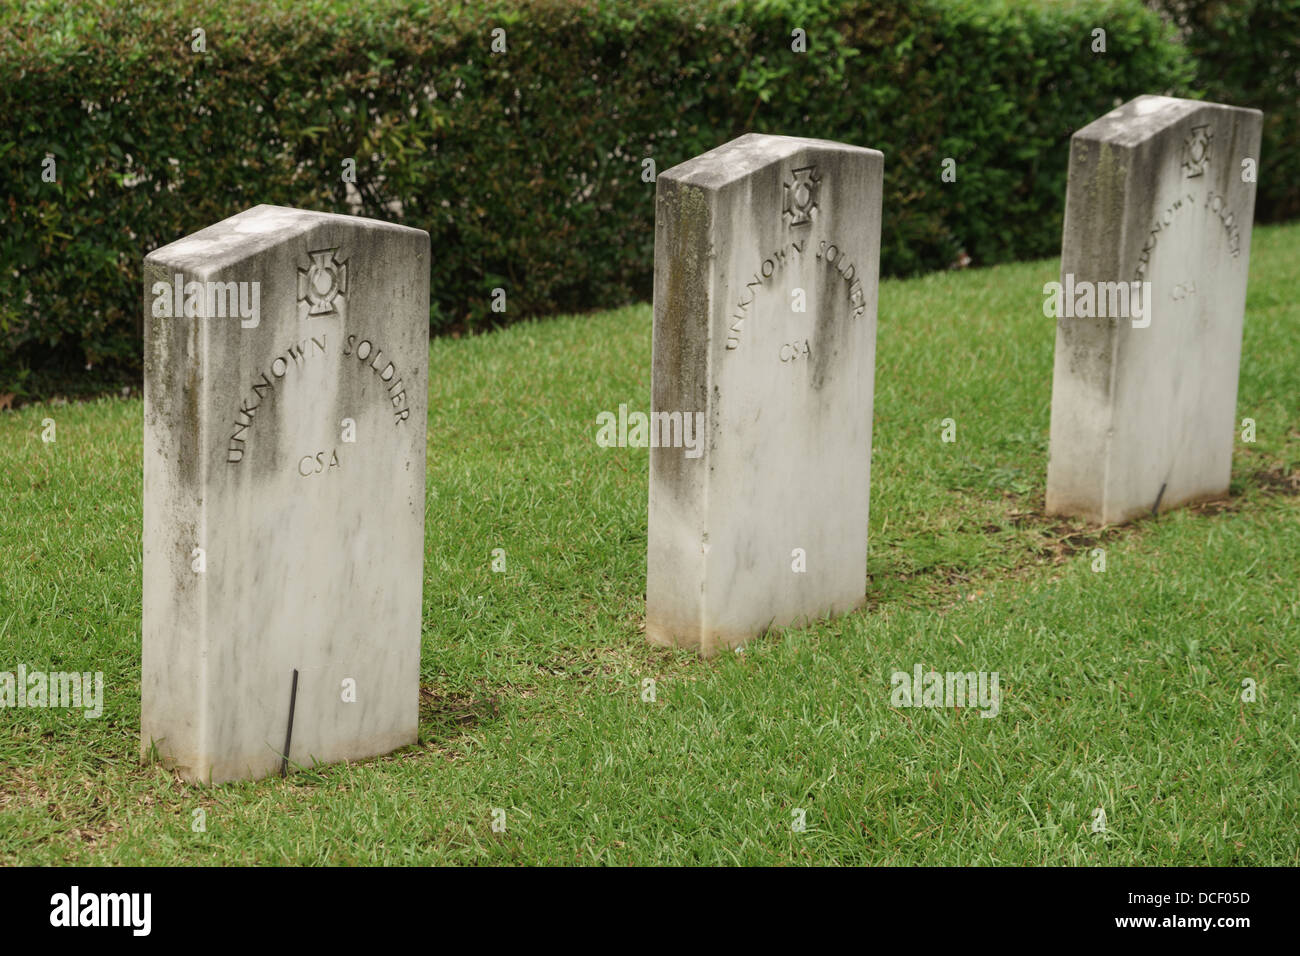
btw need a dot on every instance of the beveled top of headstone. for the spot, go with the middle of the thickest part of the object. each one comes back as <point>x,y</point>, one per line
<point>251,232</point>
<point>746,154</point>
<point>1144,116</point>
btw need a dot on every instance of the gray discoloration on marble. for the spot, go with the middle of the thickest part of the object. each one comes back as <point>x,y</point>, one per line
<point>321,571</point>
<point>787,396</point>
<point>1135,410</point>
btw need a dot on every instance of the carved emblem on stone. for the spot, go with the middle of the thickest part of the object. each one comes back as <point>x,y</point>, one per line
<point>323,283</point>
<point>801,196</point>
<point>1196,151</point>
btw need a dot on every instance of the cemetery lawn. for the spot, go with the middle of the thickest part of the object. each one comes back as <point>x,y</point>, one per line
<point>1121,689</point>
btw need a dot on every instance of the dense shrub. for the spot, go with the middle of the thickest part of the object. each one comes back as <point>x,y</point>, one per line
<point>1247,53</point>
<point>524,166</point>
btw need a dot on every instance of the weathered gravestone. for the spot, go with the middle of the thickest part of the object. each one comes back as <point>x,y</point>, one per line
<point>1161,191</point>
<point>286,384</point>
<point>766,271</point>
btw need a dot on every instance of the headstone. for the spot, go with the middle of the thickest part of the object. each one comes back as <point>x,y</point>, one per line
<point>286,385</point>
<point>1161,192</point>
<point>766,272</point>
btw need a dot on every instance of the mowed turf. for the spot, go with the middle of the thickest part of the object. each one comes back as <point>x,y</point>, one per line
<point>1121,689</point>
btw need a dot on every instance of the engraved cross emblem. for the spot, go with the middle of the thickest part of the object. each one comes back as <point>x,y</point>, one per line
<point>1196,151</point>
<point>801,196</point>
<point>325,281</point>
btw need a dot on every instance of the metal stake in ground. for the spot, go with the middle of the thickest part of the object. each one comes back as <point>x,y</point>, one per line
<point>288,731</point>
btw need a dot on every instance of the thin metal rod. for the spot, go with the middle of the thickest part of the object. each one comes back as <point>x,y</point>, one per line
<point>1156,507</point>
<point>288,732</point>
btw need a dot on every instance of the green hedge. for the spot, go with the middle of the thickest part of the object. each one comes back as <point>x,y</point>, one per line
<point>1247,53</point>
<point>525,167</point>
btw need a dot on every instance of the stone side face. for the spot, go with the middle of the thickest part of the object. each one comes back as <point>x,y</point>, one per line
<point>292,453</point>
<point>745,234</point>
<point>1143,408</point>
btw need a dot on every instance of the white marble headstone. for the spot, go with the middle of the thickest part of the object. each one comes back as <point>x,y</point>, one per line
<point>766,273</point>
<point>286,384</point>
<point>1161,191</point>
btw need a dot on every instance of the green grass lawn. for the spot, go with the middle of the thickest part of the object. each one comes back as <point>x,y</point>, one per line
<point>1120,689</point>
